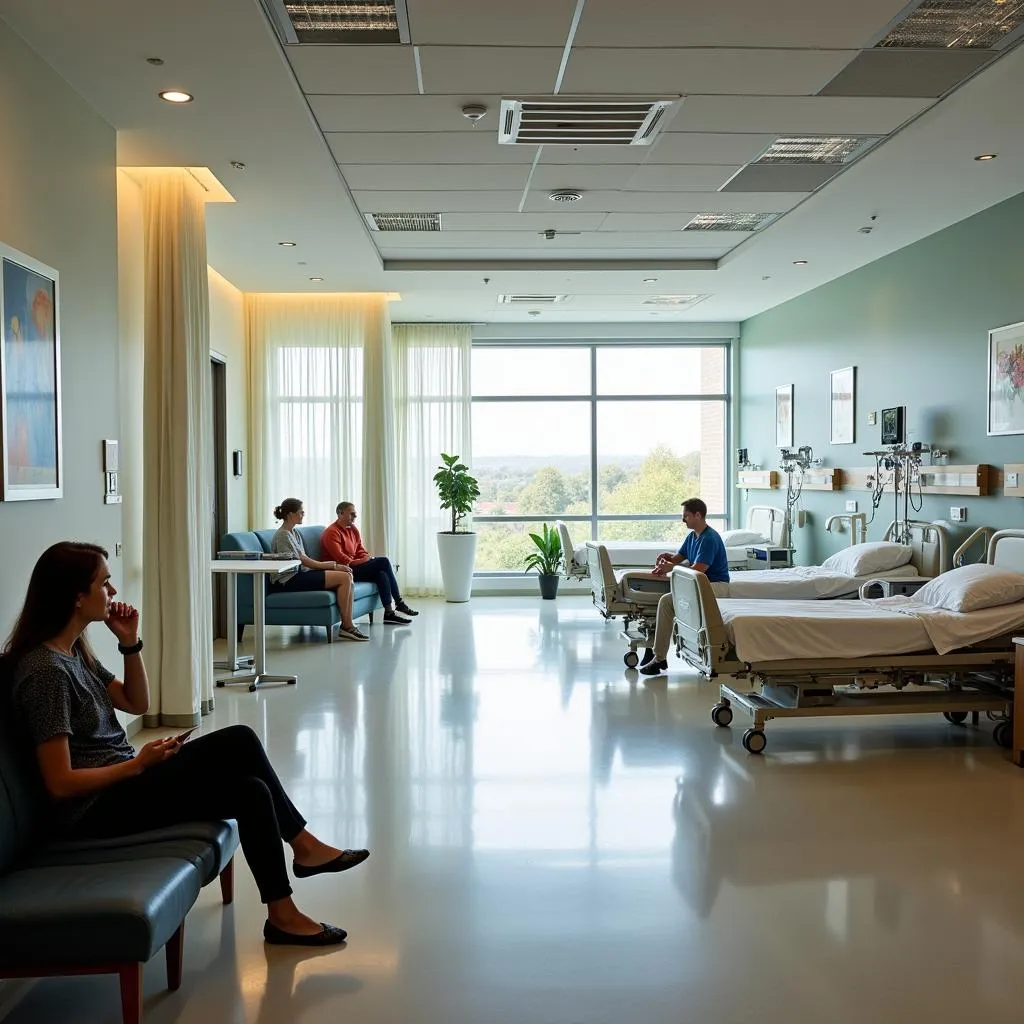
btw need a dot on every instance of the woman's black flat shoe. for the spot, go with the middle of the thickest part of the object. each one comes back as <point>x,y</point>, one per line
<point>327,936</point>
<point>345,860</point>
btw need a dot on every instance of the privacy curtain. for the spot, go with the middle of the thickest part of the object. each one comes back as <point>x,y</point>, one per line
<point>177,605</point>
<point>433,415</point>
<point>319,406</point>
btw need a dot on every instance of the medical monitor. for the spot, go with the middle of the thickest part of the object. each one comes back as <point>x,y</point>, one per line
<point>894,425</point>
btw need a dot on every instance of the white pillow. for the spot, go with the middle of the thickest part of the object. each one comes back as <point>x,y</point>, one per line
<point>737,538</point>
<point>973,587</point>
<point>865,559</point>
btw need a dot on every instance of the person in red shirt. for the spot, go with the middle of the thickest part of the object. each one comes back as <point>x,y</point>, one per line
<point>341,542</point>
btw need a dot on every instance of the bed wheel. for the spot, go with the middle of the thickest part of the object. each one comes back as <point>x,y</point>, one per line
<point>721,714</point>
<point>955,717</point>
<point>631,658</point>
<point>754,741</point>
<point>1003,735</point>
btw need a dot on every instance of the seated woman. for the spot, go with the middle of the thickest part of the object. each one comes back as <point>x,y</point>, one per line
<point>101,787</point>
<point>311,574</point>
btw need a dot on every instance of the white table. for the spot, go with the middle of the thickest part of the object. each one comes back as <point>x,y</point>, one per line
<point>259,569</point>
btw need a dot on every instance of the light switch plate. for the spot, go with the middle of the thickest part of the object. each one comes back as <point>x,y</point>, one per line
<point>1011,479</point>
<point>872,419</point>
<point>958,514</point>
<point>851,506</point>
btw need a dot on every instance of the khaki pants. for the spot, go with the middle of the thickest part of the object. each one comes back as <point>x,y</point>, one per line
<point>663,627</point>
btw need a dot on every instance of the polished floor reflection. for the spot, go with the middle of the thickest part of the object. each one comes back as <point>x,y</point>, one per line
<point>556,841</point>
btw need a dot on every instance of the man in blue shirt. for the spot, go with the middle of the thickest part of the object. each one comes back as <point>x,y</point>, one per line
<point>702,550</point>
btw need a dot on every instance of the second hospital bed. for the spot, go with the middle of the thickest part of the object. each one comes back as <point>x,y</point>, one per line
<point>891,656</point>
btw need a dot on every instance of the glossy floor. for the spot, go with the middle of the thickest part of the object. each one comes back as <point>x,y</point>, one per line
<point>554,841</point>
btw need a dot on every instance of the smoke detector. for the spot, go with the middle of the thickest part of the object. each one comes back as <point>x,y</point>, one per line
<point>565,195</point>
<point>474,111</point>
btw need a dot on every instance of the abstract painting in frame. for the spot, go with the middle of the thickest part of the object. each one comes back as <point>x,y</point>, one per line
<point>842,396</point>
<point>30,407</point>
<point>784,416</point>
<point>1006,380</point>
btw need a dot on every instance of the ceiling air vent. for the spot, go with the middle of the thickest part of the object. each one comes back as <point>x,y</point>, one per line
<point>816,149</point>
<point>729,221</point>
<point>582,121</point>
<point>956,24</point>
<point>531,300</point>
<point>403,221</point>
<point>674,301</point>
<point>339,21</point>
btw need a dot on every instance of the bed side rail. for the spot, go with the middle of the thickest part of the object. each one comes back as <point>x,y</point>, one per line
<point>700,634</point>
<point>1006,549</point>
<point>573,570</point>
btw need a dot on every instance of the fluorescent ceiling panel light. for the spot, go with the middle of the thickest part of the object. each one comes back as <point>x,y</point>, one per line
<point>729,221</point>
<point>816,149</point>
<point>341,21</point>
<point>531,300</point>
<point>674,301</point>
<point>957,24</point>
<point>403,221</point>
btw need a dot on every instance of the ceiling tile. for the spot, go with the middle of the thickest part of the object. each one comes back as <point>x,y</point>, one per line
<point>448,70</point>
<point>535,238</point>
<point>710,71</point>
<point>472,23</point>
<point>707,148</point>
<point>426,148</point>
<point>593,155</point>
<point>353,69</point>
<point>782,177</point>
<point>586,176</point>
<point>560,220</point>
<point>401,113</point>
<point>681,177</point>
<point>440,177</point>
<point>885,72</point>
<point>670,202</point>
<point>796,115</point>
<point>419,201</point>
<point>800,24</point>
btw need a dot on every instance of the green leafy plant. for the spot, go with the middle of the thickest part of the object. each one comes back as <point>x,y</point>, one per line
<point>547,559</point>
<point>456,489</point>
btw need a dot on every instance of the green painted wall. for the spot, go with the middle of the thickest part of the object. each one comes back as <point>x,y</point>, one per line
<point>915,324</point>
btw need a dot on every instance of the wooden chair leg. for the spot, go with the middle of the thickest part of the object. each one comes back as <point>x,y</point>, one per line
<point>131,993</point>
<point>175,950</point>
<point>227,882</point>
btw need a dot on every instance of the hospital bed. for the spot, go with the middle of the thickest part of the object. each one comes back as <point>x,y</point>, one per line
<point>764,526</point>
<point>888,656</point>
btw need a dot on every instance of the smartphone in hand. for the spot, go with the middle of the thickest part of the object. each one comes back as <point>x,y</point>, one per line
<point>182,736</point>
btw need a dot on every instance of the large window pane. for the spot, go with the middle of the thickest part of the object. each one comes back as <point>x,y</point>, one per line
<point>669,531</point>
<point>540,370</point>
<point>661,370</point>
<point>652,456</point>
<point>503,547</point>
<point>532,458</point>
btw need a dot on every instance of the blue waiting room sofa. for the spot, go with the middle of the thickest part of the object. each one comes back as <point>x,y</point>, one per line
<point>308,608</point>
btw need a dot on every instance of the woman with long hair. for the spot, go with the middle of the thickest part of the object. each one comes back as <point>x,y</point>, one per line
<point>102,787</point>
<point>311,574</point>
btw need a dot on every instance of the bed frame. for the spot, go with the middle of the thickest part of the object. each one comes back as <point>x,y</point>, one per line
<point>967,681</point>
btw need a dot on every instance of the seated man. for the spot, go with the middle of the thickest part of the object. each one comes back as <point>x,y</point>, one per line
<point>702,550</point>
<point>342,543</point>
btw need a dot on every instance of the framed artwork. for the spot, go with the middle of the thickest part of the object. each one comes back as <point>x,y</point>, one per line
<point>842,397</point>
<point>30,410</point>
<point>784,416</point>
<point>1006,380</point>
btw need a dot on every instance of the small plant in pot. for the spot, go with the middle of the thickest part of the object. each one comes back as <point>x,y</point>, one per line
<point>546,560</point>
<point>456,548</point>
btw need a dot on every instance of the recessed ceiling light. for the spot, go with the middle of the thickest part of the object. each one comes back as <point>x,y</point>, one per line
<point>287,245</point>
<point>987,156</point>
<point>316,279</point>
<point>650,280</point>
<point>799,263</point>
<point>176,96</point>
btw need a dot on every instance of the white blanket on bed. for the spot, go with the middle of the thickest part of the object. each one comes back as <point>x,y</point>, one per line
<point>802,582</point>
<point>787,630</point>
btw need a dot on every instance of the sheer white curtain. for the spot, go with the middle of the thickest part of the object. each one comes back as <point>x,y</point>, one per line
<point>306,399</point>
<point>433,415</point>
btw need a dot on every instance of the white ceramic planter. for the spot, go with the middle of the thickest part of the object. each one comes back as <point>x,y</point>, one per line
<point>457,552</point>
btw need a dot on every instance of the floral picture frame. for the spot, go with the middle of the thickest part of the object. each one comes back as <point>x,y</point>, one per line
<point>1006,380</point>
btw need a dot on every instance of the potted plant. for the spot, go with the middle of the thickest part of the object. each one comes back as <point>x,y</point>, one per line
<point>546,560</point>
<point>456,548</point>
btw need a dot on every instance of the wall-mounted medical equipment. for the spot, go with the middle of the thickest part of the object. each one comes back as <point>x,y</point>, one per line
<point>111,478</point>
<point>794,462</point>
<point>894,430</point>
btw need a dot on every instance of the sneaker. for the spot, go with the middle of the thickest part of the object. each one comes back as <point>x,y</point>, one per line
<point>401,606</point>
<point>393,619</point>
<point>654,668</point>
<point>352,633</point>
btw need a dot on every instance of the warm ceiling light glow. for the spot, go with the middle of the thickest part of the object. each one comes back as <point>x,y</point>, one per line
<point>987,156</point>
<point>393,296</point>
<point>287,245</point>
<point>176,96</point>
<point>799,263</point>
<point>317,279</point>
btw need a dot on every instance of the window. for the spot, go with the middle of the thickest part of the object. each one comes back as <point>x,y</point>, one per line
<point>610,437</point>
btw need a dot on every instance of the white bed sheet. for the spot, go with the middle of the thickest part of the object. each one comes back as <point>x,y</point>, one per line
<point>627,552</point>
<point>786,630</point>
<point>801,582</point>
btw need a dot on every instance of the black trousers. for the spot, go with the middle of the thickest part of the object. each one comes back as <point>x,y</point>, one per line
<point>224,774</point>
<point>378,570</point>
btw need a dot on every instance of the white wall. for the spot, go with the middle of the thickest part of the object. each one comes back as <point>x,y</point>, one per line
<point>58,205</point>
